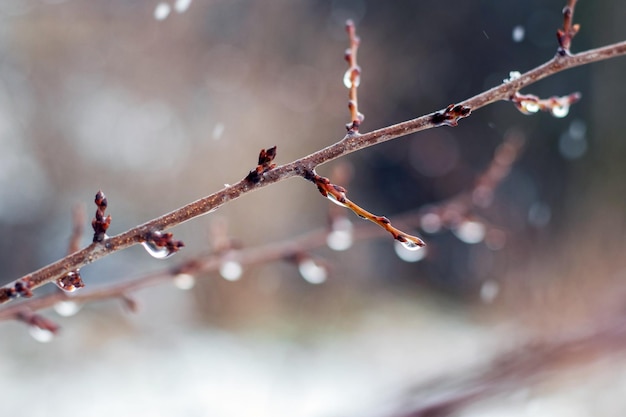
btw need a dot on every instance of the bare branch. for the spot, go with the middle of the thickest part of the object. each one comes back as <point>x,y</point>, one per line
<point>337,195</point>
<point>352,79</point>
<point>294,249</point>
<point>301,167</point>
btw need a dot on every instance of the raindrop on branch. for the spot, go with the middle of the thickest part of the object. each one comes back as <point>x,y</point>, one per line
<point>184,281</point>
<point>334,199</point>
<point>529,107</point>
<point>347,78</point>
<point>408,255</point>
<point>410,245</point>
<point>67,308</point>
<point>231,270</point>
<point>158,252</point>
<point>70,282</point>
<point>41,335</point>
<point>513,75</point>
<point>470,231</point>
<point>312,272</point>
<point>340,238</point>
<point>560,111</point>
<point>161,11</point>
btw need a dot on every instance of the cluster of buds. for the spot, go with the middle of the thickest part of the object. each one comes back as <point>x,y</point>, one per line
<point>100,223</point>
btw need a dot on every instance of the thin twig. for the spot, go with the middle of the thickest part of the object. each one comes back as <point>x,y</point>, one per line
<point>78,227</point>
<point>352,79</point>
<point>337,195</point>
<point>565,35</point>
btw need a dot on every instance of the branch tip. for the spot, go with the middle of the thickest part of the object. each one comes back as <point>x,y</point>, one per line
<point>566,34</point>
<point>38,321</point>
<point>337,195</point>
<point>352,79</point>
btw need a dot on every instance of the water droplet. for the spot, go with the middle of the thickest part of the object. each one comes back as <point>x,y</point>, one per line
<point>430,223</point>
<point>539,214</point>
<point>231,270</point>
<point>161,11</point>
<point>470,231</point>
<point>347,81</point>
<point>70,282</point>
<point>332,198</point>
<point>67,308</point>
<point>312,272</point>
<point>181,6</point>
<point>158,252</point>
<point>218,131</point>
<point>340,238</point>
<point>572,146</point>
<point>184,281</point>
<point>410,244</point>
<point>560,111</point>
<point>489,291</point>
<point>518,33</point>
<point>529,107</point>
<point>513,75</point>
<point>577,129</point>
<point>408,255</point>
<point>41,335</point>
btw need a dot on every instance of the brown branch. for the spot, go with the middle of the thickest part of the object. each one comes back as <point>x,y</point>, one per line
<point>35,320</point>
<point>285,250</point>
<point>569,30</point>
<point>294,249</point>
<point>337,195</point>
<point>72,281</point>
<point>300,167</point>
<point>352,79</point>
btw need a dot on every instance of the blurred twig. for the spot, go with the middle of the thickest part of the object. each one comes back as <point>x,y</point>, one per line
<point>515,369</point>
